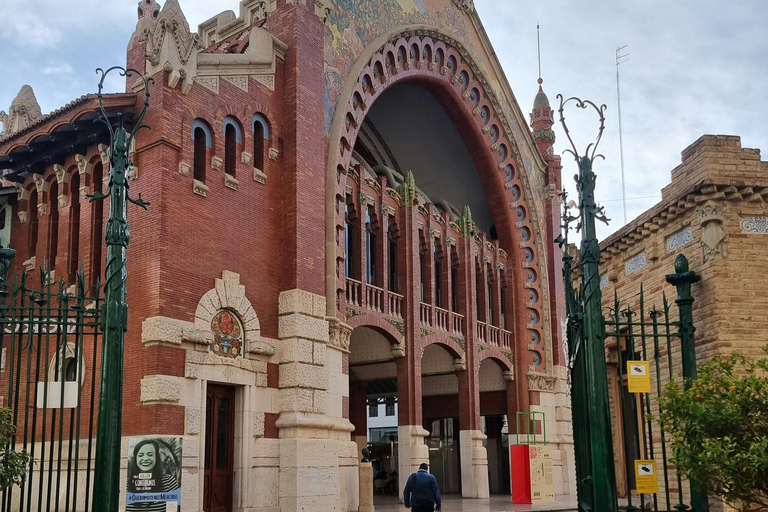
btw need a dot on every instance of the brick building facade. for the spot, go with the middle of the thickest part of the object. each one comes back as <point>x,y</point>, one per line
<point>356,190</point>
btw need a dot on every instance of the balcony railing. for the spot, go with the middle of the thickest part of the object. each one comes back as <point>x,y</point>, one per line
<point>353,292</point>
<point>458,323</point>
<point>482,332</point>
<point>425,314</point>
<point>374,298</point>
<point>493,335</point>
<point>395,304</point>
<point>441,319</point>
<point>506,339</point>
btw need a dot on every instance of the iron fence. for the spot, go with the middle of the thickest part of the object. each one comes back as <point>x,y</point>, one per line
<point>637,335</point>
<point>49,343</point>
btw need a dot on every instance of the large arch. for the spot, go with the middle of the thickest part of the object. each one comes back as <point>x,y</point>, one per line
<point>441,65</point>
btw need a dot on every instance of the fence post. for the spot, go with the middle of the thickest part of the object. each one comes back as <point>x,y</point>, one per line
<point>682,279</point>
<point>603,476</point>
<point>106,494</point>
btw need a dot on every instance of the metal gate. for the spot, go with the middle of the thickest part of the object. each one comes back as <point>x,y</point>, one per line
<point>612,423</point>
<point>658,334</point>
<point>49,341</point>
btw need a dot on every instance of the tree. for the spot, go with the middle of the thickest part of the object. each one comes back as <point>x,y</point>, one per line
<point>13,464</point>
<point>719,429</point>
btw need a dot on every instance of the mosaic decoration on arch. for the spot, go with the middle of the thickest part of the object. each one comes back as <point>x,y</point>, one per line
<point>227,334</point>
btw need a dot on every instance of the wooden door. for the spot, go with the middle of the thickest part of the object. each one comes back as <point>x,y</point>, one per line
<point>219,448</point>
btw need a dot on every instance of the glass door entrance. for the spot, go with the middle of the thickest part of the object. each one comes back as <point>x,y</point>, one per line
<point>444,461</point>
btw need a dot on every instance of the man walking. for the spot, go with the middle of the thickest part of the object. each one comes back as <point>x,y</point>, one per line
<point>421,493</point>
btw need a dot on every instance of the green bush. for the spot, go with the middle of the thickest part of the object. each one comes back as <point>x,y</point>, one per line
<point>13,464</point>
<point>719,429</point>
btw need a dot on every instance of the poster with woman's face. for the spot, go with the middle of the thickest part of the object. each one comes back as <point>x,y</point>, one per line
<point>154,474</point>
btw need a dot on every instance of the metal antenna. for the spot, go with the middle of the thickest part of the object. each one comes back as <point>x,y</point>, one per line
<point>620,59</point>
<point>538,44</point>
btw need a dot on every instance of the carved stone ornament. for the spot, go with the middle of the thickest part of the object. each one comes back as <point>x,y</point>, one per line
<point>171,46</point>
<point>42,209</point>
<point>246,158</point>
<point>714,238</point>
<point>61,174</point>
<point>216,163</point>
<point>398,350</point>
<point>62,200</point>
<point>273,154</point>
<point>23,216</point>
<point>22,194</point>
<point>460,364</point>
<point>541,382</point>
<point>184,168</point>
<point>24,111</point>
<point>104,153</point>
<point>339,334</point>
<point>83,165</point>
<point>466,6</point>
<point>40,183</point>
<point>230,182</point>
<point>508,375</point>
<point>199,188</point>
<point>259,176</point>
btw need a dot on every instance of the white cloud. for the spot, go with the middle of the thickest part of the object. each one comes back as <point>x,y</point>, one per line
<point>63,68</point>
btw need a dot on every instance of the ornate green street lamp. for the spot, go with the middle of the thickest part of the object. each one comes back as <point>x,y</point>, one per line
<point>596,477</point>
<point>114,316</point>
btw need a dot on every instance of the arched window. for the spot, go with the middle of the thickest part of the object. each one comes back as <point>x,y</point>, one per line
<point>454,280</point>
<point>232,137</point>
<point>32,233</point>
<point>260,140</point>
<point>392,239</point>
<point>370,247</point>
<point>201,135</point>
<point>422,266</point>
<point>74,226</point>
<point>53,225</point>
<point>97,224</point>
<point>503,303</point>
<point>350,235</point>
<point>438,274</point>
<point>489,305</point>
<point>227,334</point>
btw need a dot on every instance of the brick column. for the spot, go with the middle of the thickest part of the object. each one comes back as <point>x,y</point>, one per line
<point>473,455</point>
<point>410,448</point>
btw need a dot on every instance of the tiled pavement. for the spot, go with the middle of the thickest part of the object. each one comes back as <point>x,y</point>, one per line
<point>454,503</point>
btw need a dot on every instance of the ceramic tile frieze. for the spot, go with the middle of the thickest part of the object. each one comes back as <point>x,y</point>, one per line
<point>679,238</point>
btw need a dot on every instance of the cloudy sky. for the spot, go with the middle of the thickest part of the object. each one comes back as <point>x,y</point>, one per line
<point>695,67</point>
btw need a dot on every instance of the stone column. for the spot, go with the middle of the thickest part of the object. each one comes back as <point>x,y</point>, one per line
<point>366,487</point>
<point>313,444</point>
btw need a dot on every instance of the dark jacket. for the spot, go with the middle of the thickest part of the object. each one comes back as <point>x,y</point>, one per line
<point>421,489</point>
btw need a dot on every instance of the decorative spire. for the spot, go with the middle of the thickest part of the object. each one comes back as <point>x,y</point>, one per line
<point>24,111</point>
<point>148,9</point>
<point>407,190</point>
<point>466,225</point>
<point>542,116</point>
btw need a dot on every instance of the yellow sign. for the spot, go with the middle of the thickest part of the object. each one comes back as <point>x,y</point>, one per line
<point>645,476</point>
<point>542,483</point>
<point>638,377</point>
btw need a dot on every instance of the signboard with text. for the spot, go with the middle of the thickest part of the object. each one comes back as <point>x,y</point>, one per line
<point>638,377</point>
<point>645,477</point>
<point>154,474</point>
